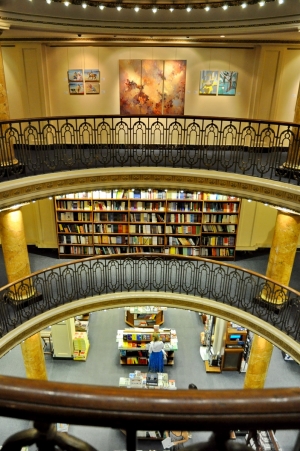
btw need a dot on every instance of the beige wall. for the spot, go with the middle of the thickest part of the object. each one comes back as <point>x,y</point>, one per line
<point>36,77</point>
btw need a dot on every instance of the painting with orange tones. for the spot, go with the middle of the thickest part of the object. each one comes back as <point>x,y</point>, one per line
<point>152,87</point>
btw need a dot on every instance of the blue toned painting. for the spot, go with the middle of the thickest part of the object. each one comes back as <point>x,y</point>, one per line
<point>227,83</point>
<point>208,82</point>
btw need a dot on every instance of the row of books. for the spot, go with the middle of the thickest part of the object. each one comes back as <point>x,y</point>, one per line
<point>218,240</point>
<point>154,206</point>
<point>219,228</point>
<point>144,336</point>
<point>110,250</point>
<point>111,228</point>
<point>76,216</point>
<point>145,228</point>
<point>110,194</point>
<point>216,252</point>
<point>106,239</point>
<point>147,194</point>
<point>110,205</point>
<point>195,195</point>
<point>184,229</point>
<point>226,207</point>
<point>184,206</point>
<point>75,239</point>
<point>74,204</point>
<point>220,218</point>
<point>182,218</point>
<point>111,217</point>
<point>76,250</point>
<point>188,251</point>
<point>75,228</point>
<point>213,196</point>
<point>146,217</point>
<point>147,240</point>
<point>177,241</point>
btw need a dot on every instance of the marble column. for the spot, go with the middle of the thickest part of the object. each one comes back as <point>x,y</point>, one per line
<point>258,364</point>
<point>17,266</point>
<point>7,155</point>
<point>282,255</point>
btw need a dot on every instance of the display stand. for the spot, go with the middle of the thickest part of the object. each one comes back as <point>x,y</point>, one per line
<point>145,316</point>
<point>133,345</point>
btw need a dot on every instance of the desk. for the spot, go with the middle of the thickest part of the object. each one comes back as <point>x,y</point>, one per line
<point>163,381</point>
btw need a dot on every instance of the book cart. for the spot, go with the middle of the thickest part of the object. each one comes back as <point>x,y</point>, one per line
<point>150,221</point>
<point>133,345</point>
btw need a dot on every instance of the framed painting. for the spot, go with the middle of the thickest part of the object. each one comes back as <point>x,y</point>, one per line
<point>174,87</point>
<point>75,75</point>
<point>92,88</point>
<point>76,88</point>
<point>208,82</point>
<point>227,83</point>
<point>91,75</point>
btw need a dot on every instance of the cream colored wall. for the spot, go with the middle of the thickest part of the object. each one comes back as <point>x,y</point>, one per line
<point>36,77</point>
<point>39,223</point>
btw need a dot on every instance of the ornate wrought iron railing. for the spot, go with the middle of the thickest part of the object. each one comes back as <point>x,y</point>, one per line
<point>228,284</point>
<point>194,410</point>
<point>264,149</point>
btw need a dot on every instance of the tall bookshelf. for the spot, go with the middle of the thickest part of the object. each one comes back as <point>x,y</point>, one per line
<point>147,221</point>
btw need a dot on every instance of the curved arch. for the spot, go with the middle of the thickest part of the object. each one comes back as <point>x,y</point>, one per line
<point>41,186</point>
<point>172,300</point>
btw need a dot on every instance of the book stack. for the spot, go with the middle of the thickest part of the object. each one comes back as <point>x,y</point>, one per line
<point>80,346</point>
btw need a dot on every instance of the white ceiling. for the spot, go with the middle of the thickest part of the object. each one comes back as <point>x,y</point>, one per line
<point>58,24</point>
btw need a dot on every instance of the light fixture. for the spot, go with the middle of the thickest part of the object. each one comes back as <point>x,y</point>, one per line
<point>171,9</point>
<point>244,5</point>
<point>66,3</point>
<point>84,5</point>
<point>136,8</point>
<point>119,8</point>
<point>48,1</point>
<point>262,3</point>
<point>101,7</point>
<point>225,7</point>
<point>207,8</point>
<point>222,36</point>
<point>154,9</point>
<point>280,2</point>
<point>189,9</point>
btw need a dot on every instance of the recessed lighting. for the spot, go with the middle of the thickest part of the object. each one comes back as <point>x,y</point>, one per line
<point>119,8</point>
<point>222,36</point>
<point>262,3</point>
<point>101,7</point>
<point>189,9</point>
<point>280,2</point>
<point>136,8</point>
<point>84,5</point>
<point>225,7</point>
<point>48,1</point>
<point>171,9</point>
<point>66,3</point>
<point>154,10</point>
<point>207,8</point>
<point>244,5</point>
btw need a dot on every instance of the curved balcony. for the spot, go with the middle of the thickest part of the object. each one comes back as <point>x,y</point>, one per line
<point>254,301</point>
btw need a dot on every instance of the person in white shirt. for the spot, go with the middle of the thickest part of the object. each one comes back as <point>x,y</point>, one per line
<point>156,355</point>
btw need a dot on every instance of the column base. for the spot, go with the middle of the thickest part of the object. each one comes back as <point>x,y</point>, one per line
<point>19,304</point>
<point>276,308</point>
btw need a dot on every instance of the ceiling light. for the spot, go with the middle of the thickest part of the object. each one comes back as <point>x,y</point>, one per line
<point>262,3</point>
<point>48,1</point>
<point>84,5</point>
<point>154,10</point>
<point>189,9</point>
<point>101,7</point>
<point>119,8</point>
<point>222,36</point>
<point>244,5</point>
<point>136,9</point>
<point>280,2</point>
<point>171,9</point>
<point>207,8</point>
<point>225,7</point>
<point>66,3</point>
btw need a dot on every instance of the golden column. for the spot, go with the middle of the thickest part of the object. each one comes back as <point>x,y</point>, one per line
<point>17,266</point>
<point>293,157</point>
<point>280,265</point>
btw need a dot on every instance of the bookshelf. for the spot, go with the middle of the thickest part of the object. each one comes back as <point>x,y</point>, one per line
<point>145,316</point>
<point>147,221</point>
<point>133,345</point>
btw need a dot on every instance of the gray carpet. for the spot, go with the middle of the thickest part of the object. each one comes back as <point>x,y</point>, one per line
<point>102,366</point>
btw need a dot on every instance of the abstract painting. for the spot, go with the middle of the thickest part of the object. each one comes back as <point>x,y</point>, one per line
<point>209,82</point>
<point>152,87</point>
<point>227,83</point>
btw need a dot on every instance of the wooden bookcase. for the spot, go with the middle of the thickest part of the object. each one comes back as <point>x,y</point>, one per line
<point>152,221</point>
<point>133,345</point>
<point>144,316</point>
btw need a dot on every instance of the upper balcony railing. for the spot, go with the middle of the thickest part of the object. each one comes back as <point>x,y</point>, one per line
<point>265,149</point>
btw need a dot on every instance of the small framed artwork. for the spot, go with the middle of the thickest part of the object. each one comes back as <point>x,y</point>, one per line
<point>75,75</point>
<point>208,82</point>
<point>91,75</point>
<point>227,83</point>
<point>92,88</point>
<point>76,88</point>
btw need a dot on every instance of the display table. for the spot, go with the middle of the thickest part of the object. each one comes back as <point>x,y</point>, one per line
<point>145,316</point>
<point>139,380</point>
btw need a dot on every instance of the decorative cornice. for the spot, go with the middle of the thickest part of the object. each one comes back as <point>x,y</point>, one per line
<point>38,187</point>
